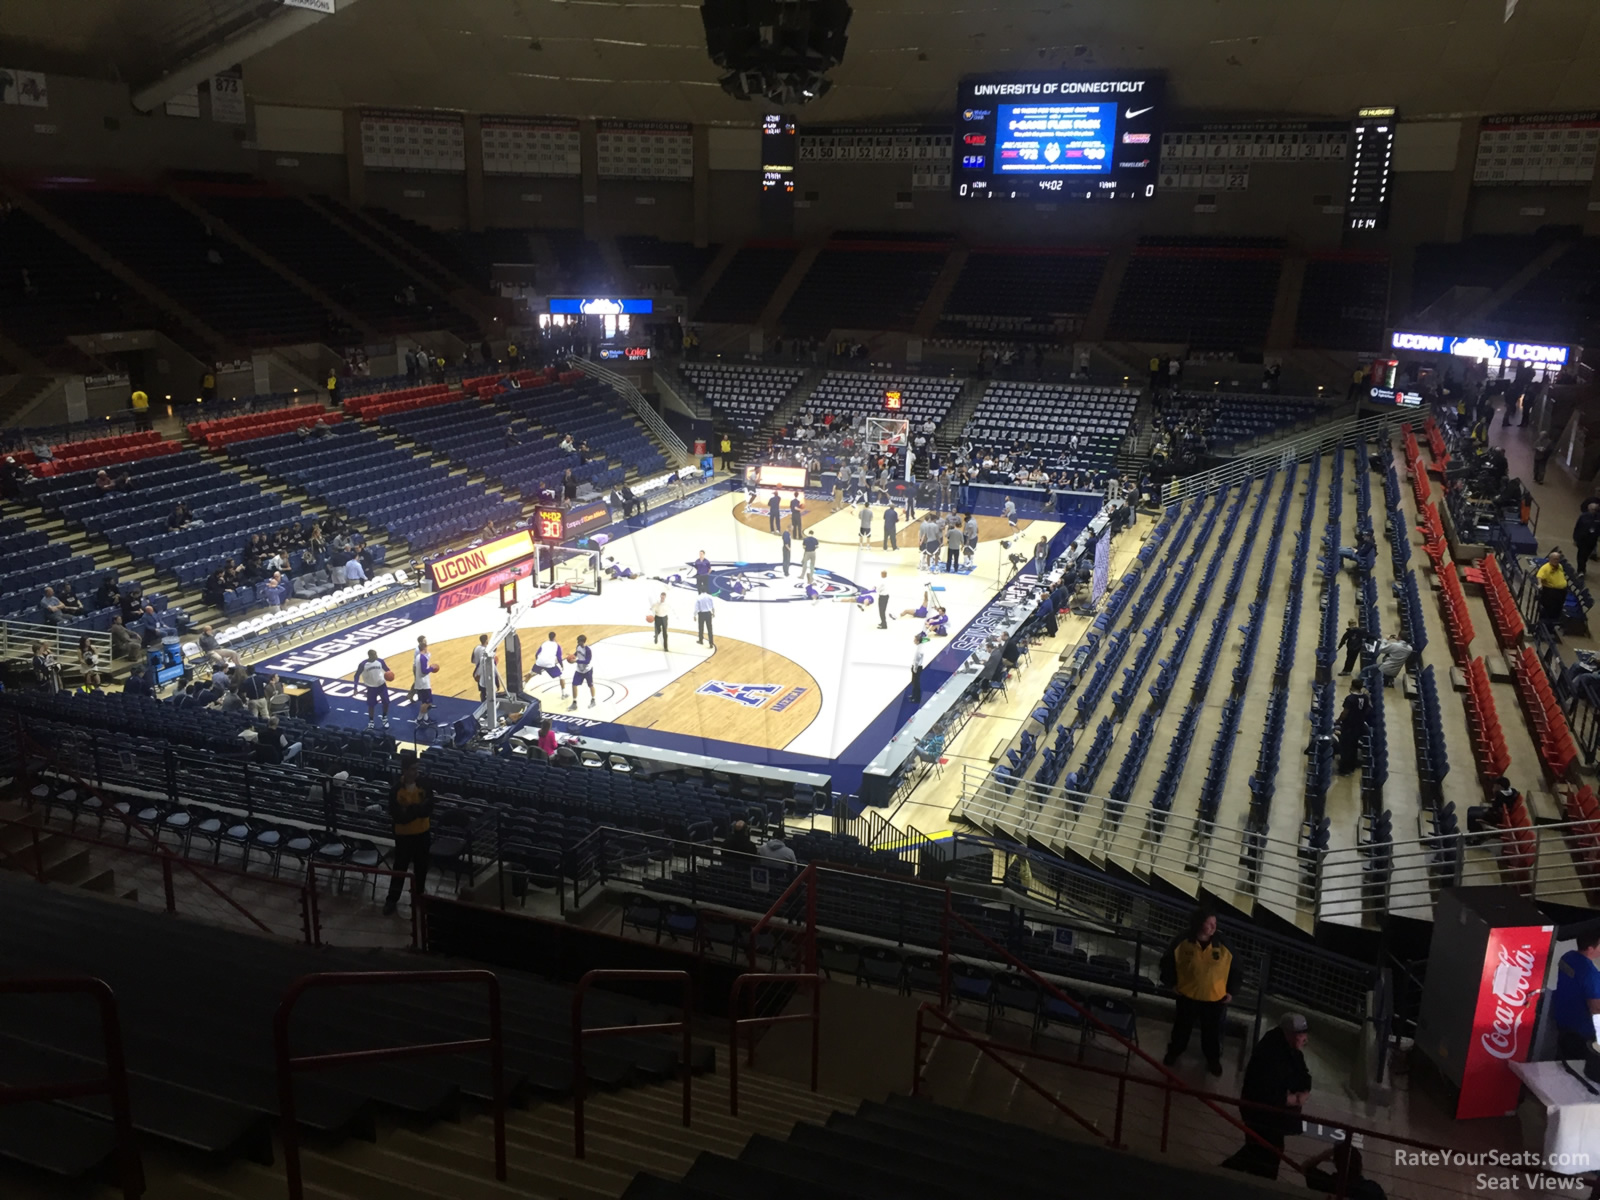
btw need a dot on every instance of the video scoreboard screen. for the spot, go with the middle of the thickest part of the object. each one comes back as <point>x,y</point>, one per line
<point>1059,135</point>
<point>778,141</point>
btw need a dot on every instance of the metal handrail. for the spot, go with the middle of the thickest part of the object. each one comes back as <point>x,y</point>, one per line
<point>1170,1085</point>
<point>1084,1014</point>
<point>130,1167</point>
<point>1317,441</point>
<point>807,879</point>
<point>18,638</point>
<point>580,1034</point>
<point>813,980</point>
<point>928,1008</point>
<point>288,1129</point>
<point>625,388</point>
<point>1331,883</point>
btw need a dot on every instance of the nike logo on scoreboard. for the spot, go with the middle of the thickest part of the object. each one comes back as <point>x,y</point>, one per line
<point>1131,113</point>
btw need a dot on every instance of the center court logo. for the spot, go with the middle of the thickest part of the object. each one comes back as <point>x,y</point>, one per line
<point>750,695</point>
<point>765,583</point>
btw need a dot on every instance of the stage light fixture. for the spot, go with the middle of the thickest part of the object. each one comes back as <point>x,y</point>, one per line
<point>777,50</point>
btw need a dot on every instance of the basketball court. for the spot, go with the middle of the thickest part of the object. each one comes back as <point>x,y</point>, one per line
<point>796,679</point>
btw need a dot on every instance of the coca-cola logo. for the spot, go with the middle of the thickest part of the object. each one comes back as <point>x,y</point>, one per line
<point>1514,993</point>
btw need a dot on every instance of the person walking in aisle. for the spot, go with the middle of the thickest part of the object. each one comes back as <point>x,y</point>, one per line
<point>788,549</point>
<point>1586,534</point>
<point>1351,641</point>
<point>658,616</point>
<point>422,672</point>
<point>891,518</point>
<point>774,514</point>
<point>916,668</point>
<point>883,599</point>
<point>411,811</point>
<point>374,675</point>
<point>866,525</point>
<point>808,557</point>
<point>582,670</point>
<point>1543,447</point>
<point>953,540</point>
<point>704,610</point>
<point>547,658</point>
<point>1203,973</point>
<point>1277,1079</point>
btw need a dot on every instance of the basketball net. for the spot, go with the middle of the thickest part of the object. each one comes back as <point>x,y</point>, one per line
<point>892,436</point>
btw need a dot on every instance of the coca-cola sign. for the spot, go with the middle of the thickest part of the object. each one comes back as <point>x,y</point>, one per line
<point>1514,963</point>
<point>1514,993</point>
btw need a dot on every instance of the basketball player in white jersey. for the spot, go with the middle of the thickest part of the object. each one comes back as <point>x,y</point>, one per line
<point>548,659</point>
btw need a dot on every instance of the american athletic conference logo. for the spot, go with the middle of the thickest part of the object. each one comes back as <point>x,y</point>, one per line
<point>751,695</point>
<point>765,583</point>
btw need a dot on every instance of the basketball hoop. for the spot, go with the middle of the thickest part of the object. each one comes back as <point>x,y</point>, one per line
<point>892,436</point>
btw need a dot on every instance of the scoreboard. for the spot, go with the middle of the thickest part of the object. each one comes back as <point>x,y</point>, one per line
<point>1059,135</point>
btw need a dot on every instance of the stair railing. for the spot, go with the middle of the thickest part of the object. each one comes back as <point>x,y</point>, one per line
<point>114,1084</point>
<point>287,1064</point>
<point>736,995</point>
<point>580,1034</point>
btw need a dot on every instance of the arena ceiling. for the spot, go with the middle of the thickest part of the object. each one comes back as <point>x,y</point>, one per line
<point>647,59</point>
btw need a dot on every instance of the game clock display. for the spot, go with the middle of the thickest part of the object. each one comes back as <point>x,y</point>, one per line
<point>1059,135</point>
<point>550,525</point>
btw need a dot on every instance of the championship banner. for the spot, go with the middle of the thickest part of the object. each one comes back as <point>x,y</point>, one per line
<point>531,146</point>
<point>644,150</point>
<point>404,140</point>
<point>476,560</point>
<point>876,144</point>
<point>1102,569</point>
<point>1279,141</point>
<point>1537,148</point>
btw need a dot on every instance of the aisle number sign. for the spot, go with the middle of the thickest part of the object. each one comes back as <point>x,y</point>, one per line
<point>475,561</point>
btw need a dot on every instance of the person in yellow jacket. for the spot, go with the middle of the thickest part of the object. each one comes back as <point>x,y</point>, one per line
<point>1203,973</point>
<point>333,385</point>
<point>1552,577</point>
<point>411,810</point>
<point>140,402</point>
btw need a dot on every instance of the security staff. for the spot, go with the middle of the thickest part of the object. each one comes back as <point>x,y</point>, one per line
<point>1202,971</point>
<point>1577,999</point>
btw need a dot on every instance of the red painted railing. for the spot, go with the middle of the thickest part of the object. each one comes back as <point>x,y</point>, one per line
<point>114,1085</point>
<point>580,1078</point>
<point>287,1064</point>
<point>736,994</point>
<point>1169,1084</point>
<point>953,918</point>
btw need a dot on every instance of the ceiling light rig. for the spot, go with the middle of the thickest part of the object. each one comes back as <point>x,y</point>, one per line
<point>778,50</point>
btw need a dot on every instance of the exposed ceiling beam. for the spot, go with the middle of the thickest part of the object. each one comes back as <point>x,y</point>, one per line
<point>283,23</point>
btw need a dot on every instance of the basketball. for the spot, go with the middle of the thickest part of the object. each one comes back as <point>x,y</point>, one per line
<point>388,676</point>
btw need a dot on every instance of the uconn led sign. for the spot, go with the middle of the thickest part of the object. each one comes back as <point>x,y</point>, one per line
<point>1477,347</point>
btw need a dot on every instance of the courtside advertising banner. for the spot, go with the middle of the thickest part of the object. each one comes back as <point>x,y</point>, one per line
<point>470,563</point>
<point>1502,1025</point>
